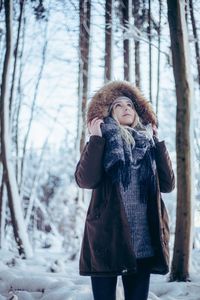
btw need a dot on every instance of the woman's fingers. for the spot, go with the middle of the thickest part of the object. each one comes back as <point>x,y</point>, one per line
<point>94,126</point>
<point>94,122</point>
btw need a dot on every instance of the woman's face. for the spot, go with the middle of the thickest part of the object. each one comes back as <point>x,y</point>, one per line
<point>124,111</point>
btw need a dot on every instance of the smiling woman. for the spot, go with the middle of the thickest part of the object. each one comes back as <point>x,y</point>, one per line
<point>126,230</point>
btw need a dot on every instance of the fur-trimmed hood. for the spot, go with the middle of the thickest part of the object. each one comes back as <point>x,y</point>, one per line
<point>103,98</point>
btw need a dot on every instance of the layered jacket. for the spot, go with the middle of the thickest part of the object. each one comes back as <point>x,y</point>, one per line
<point>106,247</point>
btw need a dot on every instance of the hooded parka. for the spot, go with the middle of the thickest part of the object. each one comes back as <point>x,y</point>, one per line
<point>106,247</point>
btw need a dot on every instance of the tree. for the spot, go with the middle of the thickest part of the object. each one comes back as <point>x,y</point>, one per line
<point>138,25</point>
<point>108,41</point>
<point>16,51</point>
<point>179,41</point>
<point>126,46</point>
<point>84,46</point>
<point>196,41</point>
<point>19,227</point>
<point>158,68</point>
<point>149,31</point>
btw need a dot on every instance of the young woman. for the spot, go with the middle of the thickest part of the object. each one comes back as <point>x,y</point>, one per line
<point>127,167</point>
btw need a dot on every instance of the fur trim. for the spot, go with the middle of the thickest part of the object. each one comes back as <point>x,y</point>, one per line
<point>103,98</point>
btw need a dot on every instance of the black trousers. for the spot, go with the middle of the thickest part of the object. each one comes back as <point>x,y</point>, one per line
<point>136,286</point>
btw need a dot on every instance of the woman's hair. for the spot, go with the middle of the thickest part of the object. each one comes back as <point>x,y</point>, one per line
<point>126,130</point>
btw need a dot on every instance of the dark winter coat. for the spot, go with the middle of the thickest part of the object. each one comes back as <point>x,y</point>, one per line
<point>106,246</point>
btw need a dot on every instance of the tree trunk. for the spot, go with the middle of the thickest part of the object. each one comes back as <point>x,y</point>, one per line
<point>16,112</point>
<point>84,43</point>
<point>108,41</point>
<point>179,43</point>
<point>186,11</point>
<point>20,233</point>
<point>16,52</point>
<point>158,68</point>
<point>196,40</point>
<point>150,52</point>
<point>137,24</point>
<point>1,210</point>
<point>126,47</point>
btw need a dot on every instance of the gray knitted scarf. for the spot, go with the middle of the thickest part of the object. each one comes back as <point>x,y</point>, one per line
<point>119,155</point>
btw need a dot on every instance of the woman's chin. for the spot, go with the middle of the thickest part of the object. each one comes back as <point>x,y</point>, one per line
<point>126,122</point>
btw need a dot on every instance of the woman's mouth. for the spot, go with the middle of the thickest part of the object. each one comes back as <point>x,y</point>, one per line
<point>126,115</point>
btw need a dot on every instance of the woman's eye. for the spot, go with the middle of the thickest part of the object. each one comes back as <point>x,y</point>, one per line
<point>118,105</point>
<point>130,105</point>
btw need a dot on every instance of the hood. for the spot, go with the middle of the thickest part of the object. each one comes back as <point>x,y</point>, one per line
<point>103,98</point>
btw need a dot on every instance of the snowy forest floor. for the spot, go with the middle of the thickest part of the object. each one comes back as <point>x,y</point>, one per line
<point>47,276</point>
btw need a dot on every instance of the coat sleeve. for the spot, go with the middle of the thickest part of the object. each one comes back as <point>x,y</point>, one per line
<point>164,168</point>
<point>89,169</point>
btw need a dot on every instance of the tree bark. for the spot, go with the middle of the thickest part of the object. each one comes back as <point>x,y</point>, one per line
<point>20,233</point>
<point>137,24</point>
<point>179,43</point>
<point>158,68</point>
<point>150,51</point>
<point>16,112</point>
<point>108,41</point>
<point>84,45</point>
<point>196,40</point>
<point>1,210</point>
<point>126,44</point>
<point>16,52</point>
<point>186,11</point>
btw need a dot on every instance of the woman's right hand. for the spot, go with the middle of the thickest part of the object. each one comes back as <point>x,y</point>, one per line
<point>94,127</point>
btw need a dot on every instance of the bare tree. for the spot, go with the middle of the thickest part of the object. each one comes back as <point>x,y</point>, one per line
<point>149,31</point>
<point>84,46</point>
<point>196,40</point>
<point>18,103</point>
<point>158,67</point>
<point>1,210</point>
<point>16,51</point>
<point>19,228</point>
<point>126,43</point>
<point>179,43</point>
<point>108,41</point>
<point>138,25</point>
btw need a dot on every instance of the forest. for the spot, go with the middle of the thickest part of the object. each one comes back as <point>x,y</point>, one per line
<point>54,55</point>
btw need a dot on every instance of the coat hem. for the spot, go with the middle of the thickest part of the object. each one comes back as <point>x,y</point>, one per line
<point>107,274</point>
<point>118,273</point>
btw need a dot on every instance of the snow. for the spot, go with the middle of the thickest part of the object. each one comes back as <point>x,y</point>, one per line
<point>49,276</point>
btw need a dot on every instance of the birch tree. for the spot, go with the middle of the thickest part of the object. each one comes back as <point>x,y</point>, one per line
<point>179,42</point>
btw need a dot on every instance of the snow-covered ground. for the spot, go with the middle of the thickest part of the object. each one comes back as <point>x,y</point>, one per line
<point>48,276</point>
